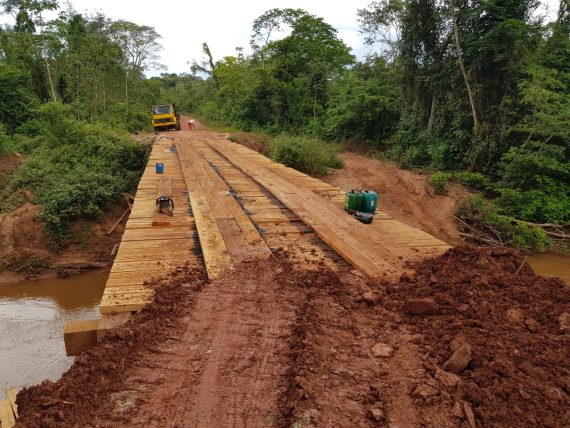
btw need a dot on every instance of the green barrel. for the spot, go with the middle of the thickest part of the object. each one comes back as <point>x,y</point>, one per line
<point>353,201</point>
<point>369,201</point>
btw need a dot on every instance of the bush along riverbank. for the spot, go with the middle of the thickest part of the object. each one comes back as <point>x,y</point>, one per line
<point>68,187</point>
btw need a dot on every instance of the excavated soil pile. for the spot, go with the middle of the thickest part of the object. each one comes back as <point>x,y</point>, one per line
<point>495,336</point>
<point>475,339</point>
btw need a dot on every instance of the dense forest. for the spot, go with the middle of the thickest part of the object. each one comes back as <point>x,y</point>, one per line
<point>477,92</point>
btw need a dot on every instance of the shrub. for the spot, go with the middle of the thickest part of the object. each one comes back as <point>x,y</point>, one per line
<point>535,206</point>
<point>307,154</point>
<point>76,174</point>
<point>439,181</point>
<point>483,216</point>
<point>8,144</point>
<point>475,180</point>
<point>25,262</point>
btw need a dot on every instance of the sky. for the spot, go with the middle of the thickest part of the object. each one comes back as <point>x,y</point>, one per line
<point>223,24</point>
<point>226,24</point>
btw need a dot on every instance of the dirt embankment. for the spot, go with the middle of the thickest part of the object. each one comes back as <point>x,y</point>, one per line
<point>403,194</point>
<point>26,253</point>
<point>476,339</point>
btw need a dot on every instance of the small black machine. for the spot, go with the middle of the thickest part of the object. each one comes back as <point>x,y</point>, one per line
<point>165,205</point>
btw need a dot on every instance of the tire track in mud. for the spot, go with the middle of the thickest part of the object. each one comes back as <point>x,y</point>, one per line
<point>226,368</point>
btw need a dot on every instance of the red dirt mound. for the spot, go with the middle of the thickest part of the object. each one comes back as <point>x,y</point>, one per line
<point>511,350</point>
<point>99,372</point>
<point>402,194</point>
<point>475,339</point>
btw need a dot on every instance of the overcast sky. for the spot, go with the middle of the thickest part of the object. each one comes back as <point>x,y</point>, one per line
<point>223,24</point>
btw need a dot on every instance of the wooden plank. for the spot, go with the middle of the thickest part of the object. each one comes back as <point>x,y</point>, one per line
<point>241,238</point>
<point>7,419</point>
<point>79,336</point>
<point>11,394</point>
<point>127,303</point>
<point>214,250</point>
<point>327,220</point>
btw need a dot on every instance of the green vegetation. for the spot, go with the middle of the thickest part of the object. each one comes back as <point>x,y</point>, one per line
<point>73,169</point>
<point>25,262</point>
<point>476,91</point>
<point>71,90</point>
<point>495,228</point>
<point>439,181</point>
<point>308,154</point>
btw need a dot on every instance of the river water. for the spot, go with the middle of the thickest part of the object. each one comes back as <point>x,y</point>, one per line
<point>551,264</point>
<point>32,319</point>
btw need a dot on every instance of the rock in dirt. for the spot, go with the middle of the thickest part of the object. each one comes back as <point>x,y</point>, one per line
<point>311,415</point>
<point>469,415</point>
<point>424,391</point>
<point>532,325</point>
<point>515,316</point>
<point>370,298</point>
<point>422,306</point>
<point>456,342</point>
<point>447,379</point>
<point>382,350</point>
<point>460,359</point>
<point>457,410</point>
<point>564,320</point>
<point>377,414</point>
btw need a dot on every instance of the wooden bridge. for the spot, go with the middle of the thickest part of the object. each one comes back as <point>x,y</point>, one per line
<point>232,203</point>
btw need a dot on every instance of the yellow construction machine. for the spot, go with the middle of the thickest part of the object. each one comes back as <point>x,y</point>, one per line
<point>165,116</point>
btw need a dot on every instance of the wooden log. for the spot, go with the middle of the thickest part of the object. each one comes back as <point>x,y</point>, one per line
<point>11,394</point>
<point>108,322</point>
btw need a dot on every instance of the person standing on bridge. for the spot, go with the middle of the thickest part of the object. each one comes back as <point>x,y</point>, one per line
<point>191,124</point>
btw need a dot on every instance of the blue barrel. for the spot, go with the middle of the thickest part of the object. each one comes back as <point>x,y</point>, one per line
<point>159,168</point>
<point>369,201</point>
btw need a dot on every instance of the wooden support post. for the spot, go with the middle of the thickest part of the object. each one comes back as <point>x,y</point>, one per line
<point>164,189</point>
<point>11,394</point>
<point>7,417</point>
<point>80,336</point>
<point>107,322</point>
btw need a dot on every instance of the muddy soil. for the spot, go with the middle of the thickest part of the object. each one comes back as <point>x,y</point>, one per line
<point>403,194</point>
<point>475,339</point>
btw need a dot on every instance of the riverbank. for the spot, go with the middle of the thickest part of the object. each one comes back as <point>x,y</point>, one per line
<point>27,255</point>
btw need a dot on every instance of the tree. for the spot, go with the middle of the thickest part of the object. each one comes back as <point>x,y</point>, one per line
<point>381,24</point>
<point>140,46</point>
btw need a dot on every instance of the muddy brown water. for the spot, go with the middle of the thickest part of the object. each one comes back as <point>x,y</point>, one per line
<point>32,319</point>
<point>551,265</point>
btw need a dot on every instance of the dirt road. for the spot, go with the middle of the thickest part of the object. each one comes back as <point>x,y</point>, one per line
<point>269,345</point>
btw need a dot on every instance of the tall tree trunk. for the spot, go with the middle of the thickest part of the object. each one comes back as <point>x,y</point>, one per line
<point>431,119</point>
<point>127,88</point>
<point>49,79</point>
<point>463,69</point>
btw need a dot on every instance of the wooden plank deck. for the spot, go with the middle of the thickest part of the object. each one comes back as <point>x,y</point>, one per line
<point>148,251</point>
<point>9,409</point>
<point>226,234</point>
<point>230,204</point>
<point>366,248</point>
